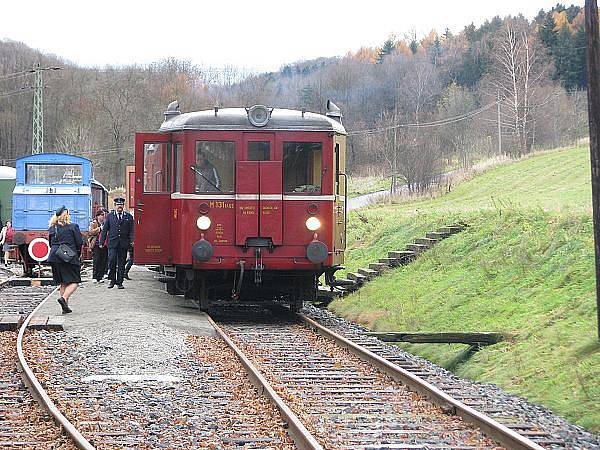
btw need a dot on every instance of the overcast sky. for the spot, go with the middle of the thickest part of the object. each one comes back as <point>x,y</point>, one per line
<point>251,34</point>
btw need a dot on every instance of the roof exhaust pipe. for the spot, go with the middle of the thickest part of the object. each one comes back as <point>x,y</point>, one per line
<point>172,110</point>
<point>334,111</point>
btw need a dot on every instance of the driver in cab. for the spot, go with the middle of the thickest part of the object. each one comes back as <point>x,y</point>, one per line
<point>207,177</point>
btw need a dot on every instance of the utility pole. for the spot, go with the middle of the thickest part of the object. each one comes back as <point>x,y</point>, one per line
<point>593,67</point>
<point>395,164</point>
<point>499,125</point>
<point>37,142</point>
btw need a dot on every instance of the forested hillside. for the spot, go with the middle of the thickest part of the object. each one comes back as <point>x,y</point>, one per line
<point>453,95</point>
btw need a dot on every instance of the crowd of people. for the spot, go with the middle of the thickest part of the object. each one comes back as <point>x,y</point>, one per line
<point>110,239</point>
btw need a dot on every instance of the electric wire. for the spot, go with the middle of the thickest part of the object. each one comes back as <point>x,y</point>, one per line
<point>435,123</point>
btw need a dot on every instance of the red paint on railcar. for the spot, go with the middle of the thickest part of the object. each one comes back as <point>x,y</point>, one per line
<point>244,195</point>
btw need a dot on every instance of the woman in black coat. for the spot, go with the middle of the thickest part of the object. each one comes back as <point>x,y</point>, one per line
<point>65,273</point>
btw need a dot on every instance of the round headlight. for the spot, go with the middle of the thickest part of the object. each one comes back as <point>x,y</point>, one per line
<point>313,224</point>
<point>203,223</point>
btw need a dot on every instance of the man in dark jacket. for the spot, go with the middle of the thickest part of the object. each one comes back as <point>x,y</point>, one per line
<point>117,233</point>
<point>207,177</point>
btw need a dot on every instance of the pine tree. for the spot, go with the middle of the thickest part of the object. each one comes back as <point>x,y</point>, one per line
<point>388,48</point>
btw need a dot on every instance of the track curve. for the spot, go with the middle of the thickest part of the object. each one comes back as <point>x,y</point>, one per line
<point>38,391</point>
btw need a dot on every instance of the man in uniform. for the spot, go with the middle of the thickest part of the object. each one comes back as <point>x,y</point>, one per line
<point>207,177</point>
<point>117,232</point>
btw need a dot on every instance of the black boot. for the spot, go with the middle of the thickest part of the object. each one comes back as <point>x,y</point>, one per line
<point>63,304</point>
<point>111,284</point>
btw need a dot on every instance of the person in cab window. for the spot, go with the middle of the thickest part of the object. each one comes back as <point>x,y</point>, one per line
<point>207,176</point>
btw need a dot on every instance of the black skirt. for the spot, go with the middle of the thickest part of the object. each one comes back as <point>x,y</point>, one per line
<point>65,273</point>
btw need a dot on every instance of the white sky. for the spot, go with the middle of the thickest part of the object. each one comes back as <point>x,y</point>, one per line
<point>251,34</point>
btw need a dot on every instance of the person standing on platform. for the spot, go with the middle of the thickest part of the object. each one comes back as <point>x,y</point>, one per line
<point>6,236</point>
<point>99,252</point>
<point>117,233</point>
<point>64,257</point>
<point>129,263</point>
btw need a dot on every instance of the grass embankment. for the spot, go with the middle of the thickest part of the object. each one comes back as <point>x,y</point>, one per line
<point>365,185</point>
<point>525,266</point>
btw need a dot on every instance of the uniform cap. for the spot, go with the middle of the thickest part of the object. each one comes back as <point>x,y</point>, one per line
<point>119,201</point>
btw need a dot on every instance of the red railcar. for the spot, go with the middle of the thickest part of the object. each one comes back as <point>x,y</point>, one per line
<point>242,204</point>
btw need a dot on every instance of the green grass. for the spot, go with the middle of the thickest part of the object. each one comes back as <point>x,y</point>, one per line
<point>365,185</point>
<point>525,266</point>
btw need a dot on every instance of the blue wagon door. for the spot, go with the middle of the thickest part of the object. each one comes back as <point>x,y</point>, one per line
<point>153,198</point>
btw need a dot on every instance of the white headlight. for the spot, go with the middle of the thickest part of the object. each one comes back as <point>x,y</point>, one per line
<point>313,224</point>
<point>203,223</point>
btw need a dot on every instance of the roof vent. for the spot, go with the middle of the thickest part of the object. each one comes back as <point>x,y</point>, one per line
<point>259,115</point>
<point>172,110</point>
<point>333,111</point>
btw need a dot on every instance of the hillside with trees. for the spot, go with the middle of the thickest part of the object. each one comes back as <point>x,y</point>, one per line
<point>414,107</point>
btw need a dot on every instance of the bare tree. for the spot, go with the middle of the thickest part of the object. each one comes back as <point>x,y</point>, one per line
<point>519,70</point>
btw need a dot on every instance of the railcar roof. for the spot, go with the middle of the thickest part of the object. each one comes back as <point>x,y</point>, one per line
<point>53,158</point>
<point>236,119</point>
<point>8,173</point>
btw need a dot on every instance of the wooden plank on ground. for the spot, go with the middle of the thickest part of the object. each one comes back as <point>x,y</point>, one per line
<point>55,323</point>
<point>10,322</point>
<point>475,338</point>
<point>38,323</point>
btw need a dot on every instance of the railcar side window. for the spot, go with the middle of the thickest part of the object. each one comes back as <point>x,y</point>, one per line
<point>53,174</point>
<point>157,167</point>
<point>177,170</point>
<point>215,166</point>
<point>302,167</point>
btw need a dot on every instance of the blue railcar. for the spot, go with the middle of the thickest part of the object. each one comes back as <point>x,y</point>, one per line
<point>45,182</point>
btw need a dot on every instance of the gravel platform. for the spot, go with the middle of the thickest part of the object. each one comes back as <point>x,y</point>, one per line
<point>572,436</point>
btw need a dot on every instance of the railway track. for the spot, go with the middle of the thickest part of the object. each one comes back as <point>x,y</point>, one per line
<point>330,392</point>
<point>23,423</point>
<point>341,395</point>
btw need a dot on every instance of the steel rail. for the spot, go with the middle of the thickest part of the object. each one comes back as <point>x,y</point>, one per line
<point>39,392</point>
<point>298,432</point>
<point>493,429</point>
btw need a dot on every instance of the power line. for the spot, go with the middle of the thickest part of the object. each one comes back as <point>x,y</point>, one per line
<point>17,91</point>
<point>435,123</point>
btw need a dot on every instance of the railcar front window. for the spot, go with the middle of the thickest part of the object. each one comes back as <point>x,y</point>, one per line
<point>302,167</point>
<point>215,166</point>
<point>157,167</point>
<point>53,174</point>
<point>259,151</point>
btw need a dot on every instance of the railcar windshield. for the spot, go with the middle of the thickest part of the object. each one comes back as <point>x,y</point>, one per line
<point>215,166</point>
<point>53,174</point>
<point>302,167</point>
